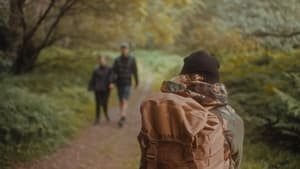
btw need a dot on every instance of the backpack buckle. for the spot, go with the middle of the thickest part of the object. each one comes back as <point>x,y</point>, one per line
<point>151,155</point>
<point>195,143</point>
<point>152,151</point>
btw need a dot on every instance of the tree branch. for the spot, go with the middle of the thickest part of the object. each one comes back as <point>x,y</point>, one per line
<point>16,18</point>
<point>39,22</point>
<point>22,17</point>
<point>64,9</point>
<point>278,35</point>
<point>52,40</point>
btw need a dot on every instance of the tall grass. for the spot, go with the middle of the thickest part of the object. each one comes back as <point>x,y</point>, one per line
<point>44,109</point>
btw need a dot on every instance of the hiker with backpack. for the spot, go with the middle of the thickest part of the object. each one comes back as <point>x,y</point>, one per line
<point>124,68</point>
<point>101,84</point>
<point>190,124</point>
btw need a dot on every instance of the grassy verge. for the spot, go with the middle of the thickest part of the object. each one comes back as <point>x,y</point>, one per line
<point>44,109</point>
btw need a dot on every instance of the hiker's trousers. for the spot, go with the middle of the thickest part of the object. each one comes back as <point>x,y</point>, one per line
<point>101,99</point>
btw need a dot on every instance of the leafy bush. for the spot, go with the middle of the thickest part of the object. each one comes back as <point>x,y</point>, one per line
<point>256,84</point>
<point>42,110</point>
<point>258,155</point>
<point>291,118</point>
<point>5,64</point>
<point>29,120</point>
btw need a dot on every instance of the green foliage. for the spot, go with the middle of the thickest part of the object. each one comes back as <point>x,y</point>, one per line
<point>28,119</point>
<point>5,64</point>
<point>292,103</point>
<point>272,22</point>
<point>256,85</point>
<point>3,12</point>
<point>141,22</point>
<point>160,66</point>
<point>290,125</point>
<point>34,115</point>
<point>258,155</point>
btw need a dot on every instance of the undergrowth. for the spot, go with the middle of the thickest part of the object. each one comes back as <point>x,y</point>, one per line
<point>44,109</point>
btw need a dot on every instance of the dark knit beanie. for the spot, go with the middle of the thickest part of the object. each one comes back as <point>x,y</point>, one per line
<point>202,63</point>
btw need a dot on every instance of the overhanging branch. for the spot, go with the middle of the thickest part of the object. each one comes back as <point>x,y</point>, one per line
<point>64,9</point>
<point>277,35</point>
<point>39,22</point>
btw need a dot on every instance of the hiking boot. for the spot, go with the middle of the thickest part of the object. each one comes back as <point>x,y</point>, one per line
<point>121,122</point>
<point>97,122</point>
<point>107,119</point>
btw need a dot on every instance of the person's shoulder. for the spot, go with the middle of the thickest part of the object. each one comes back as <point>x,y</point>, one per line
<point>132,57</point>
<point>117,58</point>
<point>95,70</point>
<point>96,67</point>
<point>227,109</point>
<point>116,61</point>
<point>109,68</point>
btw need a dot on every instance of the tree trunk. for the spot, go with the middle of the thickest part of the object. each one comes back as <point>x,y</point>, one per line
<point>16,27</point>
<point>26,59</point>
<point>24,50</point>
<point>22,53</point>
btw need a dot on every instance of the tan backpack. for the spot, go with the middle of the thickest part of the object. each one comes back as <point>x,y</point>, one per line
<point>178,133</point>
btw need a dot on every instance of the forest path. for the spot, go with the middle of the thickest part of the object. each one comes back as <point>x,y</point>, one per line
<point>101,147</point>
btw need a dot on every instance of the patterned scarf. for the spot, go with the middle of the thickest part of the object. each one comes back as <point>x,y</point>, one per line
<point>193,86</point>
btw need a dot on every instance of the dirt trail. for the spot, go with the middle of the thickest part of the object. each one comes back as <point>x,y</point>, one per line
<point>100,147</point>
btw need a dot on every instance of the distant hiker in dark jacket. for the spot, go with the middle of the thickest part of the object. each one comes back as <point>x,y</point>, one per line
<point>124,68</point>
<point>101,84</point>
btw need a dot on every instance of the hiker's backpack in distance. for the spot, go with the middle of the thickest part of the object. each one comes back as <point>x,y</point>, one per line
<point>178,133</point>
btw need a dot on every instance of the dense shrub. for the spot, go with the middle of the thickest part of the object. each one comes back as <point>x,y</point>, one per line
<point>28,120</point>
<point>265,88</point>
<point>42,110</point>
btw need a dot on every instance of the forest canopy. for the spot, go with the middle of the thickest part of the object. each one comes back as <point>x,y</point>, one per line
<point>49,47</point>
<point>29,26</point>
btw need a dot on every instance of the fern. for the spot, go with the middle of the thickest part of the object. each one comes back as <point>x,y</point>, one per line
<point>292,103</point>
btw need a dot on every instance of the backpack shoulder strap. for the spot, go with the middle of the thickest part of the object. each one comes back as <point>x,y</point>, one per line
<point>215,110</point>
<point>227,152</point>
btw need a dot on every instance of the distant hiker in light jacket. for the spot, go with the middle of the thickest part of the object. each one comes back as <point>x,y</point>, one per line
<point>101,83</point>
<point>190,124</point>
